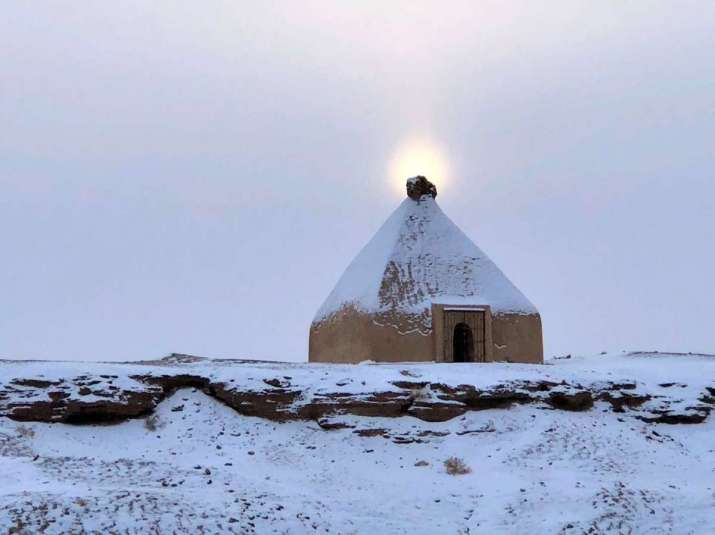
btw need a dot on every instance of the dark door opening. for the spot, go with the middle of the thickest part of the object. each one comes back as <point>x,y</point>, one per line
<point>463,343</point>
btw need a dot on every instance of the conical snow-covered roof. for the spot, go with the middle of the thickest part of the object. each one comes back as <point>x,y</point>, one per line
<point>419,257</point>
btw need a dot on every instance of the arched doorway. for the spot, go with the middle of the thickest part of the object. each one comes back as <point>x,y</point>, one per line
<point>463,343</point>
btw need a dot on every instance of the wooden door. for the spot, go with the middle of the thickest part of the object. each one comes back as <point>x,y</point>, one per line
<point>474,319</point>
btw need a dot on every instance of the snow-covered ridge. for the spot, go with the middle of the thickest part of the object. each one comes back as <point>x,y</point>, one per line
<point>420,256</point>
<point>657,388</point>
<point>575,446</point>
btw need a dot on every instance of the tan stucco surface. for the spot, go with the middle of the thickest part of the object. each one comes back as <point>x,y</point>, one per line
<point>517,338</point>
<point>351,336</point>
<point>354,337</point>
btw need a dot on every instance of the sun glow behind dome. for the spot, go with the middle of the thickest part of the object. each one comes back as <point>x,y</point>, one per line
<point>418,157</point>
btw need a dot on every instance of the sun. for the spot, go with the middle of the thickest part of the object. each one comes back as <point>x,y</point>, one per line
<point>418,157</point>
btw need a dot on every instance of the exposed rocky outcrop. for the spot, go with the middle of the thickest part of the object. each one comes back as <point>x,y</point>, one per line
<point>668,417</point>
<point>90,399</point>
<point>571,401</point>
<point>62,407</point>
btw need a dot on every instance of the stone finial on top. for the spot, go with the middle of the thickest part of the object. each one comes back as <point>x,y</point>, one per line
<point>417,186</point>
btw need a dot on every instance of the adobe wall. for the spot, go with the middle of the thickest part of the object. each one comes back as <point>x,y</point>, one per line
<point>353,337</point>
<point>517,338</point>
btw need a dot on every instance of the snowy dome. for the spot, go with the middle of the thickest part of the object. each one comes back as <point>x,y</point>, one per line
<point>419,257</point>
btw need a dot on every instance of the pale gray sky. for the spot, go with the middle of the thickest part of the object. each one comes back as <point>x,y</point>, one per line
<point>195,176</point>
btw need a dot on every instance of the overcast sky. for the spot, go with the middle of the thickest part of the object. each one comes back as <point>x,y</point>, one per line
<point>195,176</point>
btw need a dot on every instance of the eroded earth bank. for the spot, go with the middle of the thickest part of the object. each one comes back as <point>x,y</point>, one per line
<point>608,444</point>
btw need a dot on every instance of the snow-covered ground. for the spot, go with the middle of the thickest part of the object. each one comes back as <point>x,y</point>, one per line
<point>197,466</point>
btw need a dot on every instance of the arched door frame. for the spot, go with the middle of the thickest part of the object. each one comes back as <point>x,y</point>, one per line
<point>441,337</point>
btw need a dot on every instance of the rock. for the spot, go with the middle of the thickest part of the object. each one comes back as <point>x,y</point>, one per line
<point>540,386</point>
<point>488,428</point>
<point>330,425</point>
<point>674,418</point>
<point>378,432</point>
<point>170,383</point>
<point>274,404</point>
<point>435,411</point>
<point>421,463</point>
<point>571,401</point>
<point>419,186</point>
<point>277,383</point>
<point>378,404</point>
<point>35,383</point>
<point>624,400</point>
<point>61,408</point>
<point>410,385</point>
<point>428,433</point>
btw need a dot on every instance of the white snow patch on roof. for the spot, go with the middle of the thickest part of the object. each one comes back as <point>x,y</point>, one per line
<point>419,257</point>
